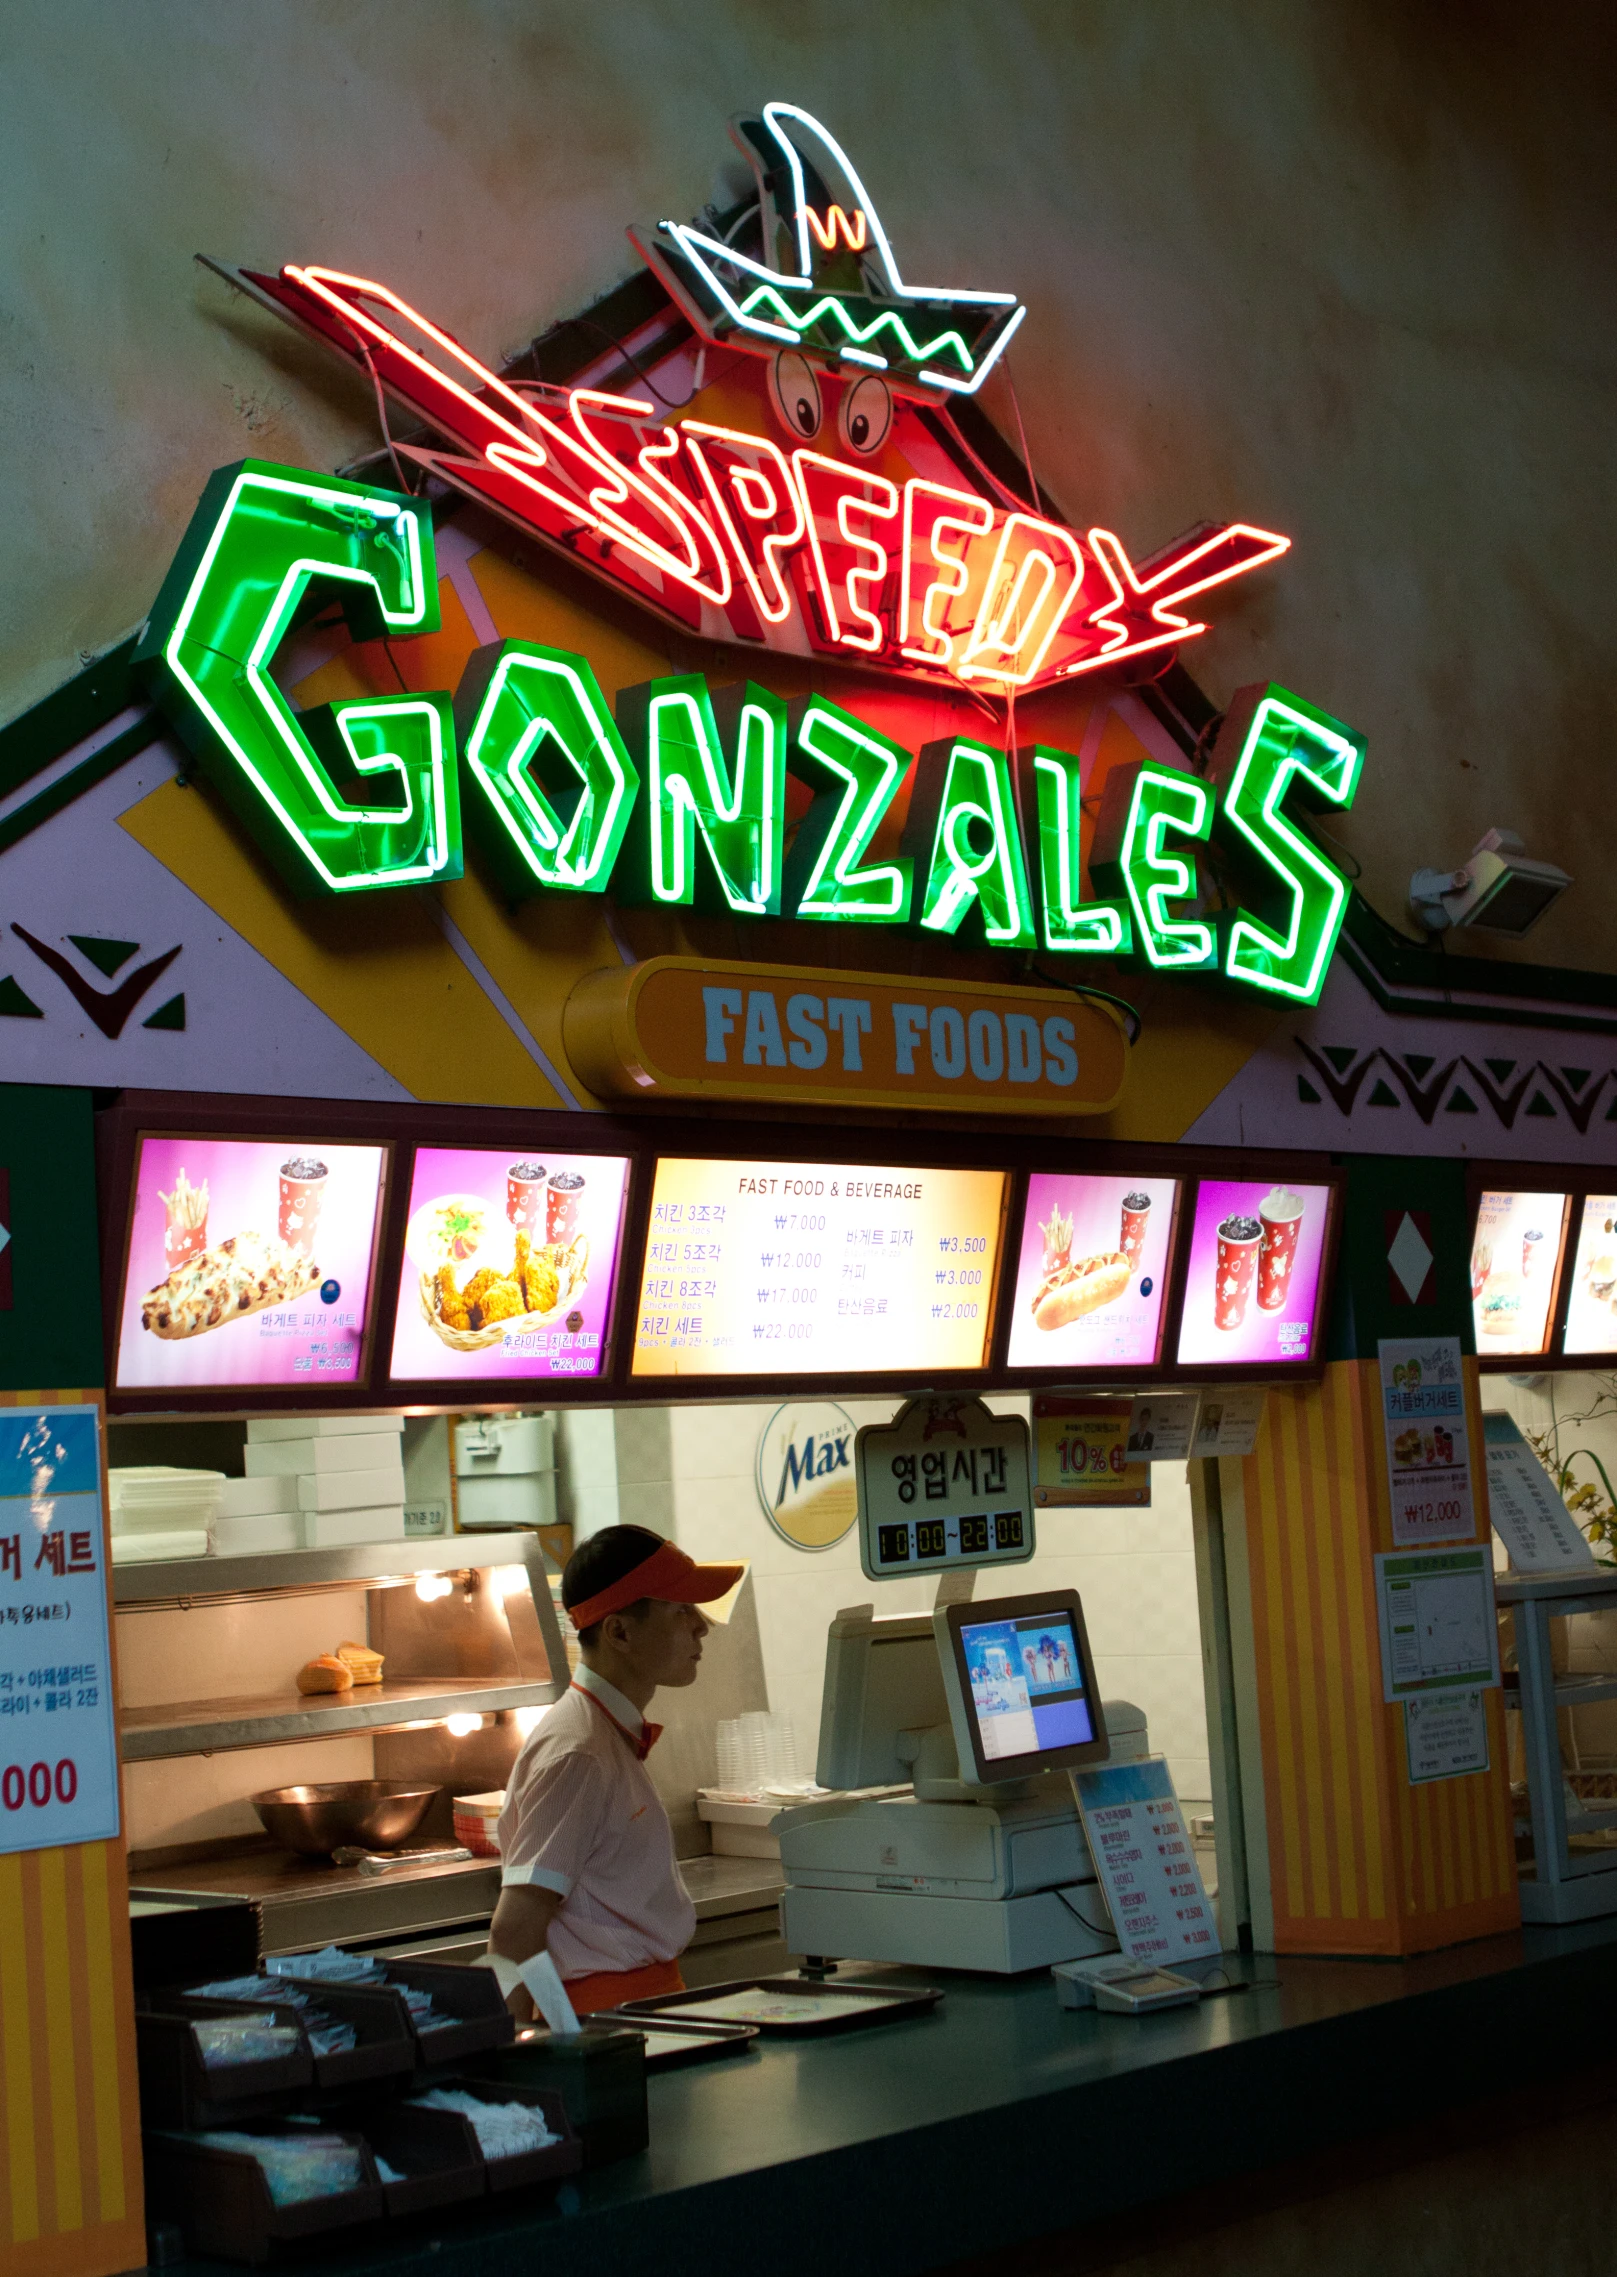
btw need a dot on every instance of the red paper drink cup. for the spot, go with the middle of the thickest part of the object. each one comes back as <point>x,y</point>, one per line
<point>1136,1218</point>
<point>1238,1240</point>
<point>1531,1251</point>
<point>524,1192</point>
<point>561,1205</point>
<point>1282,1214</point>
<point>303,1186</point>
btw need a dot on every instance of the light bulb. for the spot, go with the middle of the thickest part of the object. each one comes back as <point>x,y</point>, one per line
<point>429,1586</point>
<point>527,1719</point>
<point>459,1727</point>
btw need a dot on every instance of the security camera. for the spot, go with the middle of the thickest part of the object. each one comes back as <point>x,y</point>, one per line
<point>1498,889</point>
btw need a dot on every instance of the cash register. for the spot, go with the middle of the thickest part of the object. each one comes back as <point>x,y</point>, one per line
<point>975,1858</point>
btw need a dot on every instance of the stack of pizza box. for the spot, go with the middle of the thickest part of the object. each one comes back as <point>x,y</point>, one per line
<point>346,1472</point>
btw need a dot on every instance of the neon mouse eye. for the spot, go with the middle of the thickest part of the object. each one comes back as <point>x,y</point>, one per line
<point>795,393</point>
<point>865,414</point>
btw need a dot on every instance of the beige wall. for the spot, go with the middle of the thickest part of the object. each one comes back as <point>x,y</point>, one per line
<point>1344,271</point>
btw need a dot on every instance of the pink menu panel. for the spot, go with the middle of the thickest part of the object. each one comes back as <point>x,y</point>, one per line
<point>509,1264</point>
<point>249,1263</point>
<point>1257,1253</point>
<point>1092,1272</point>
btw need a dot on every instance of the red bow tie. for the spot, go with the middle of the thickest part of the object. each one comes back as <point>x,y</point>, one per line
<point>649,1736</point>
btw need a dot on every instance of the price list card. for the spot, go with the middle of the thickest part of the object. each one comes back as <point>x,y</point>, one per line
<point>793,1268</point>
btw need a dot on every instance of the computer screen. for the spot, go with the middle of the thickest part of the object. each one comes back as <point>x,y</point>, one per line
<point>1021,1686</point>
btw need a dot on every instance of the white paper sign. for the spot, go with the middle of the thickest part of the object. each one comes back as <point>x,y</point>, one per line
<point>1446,1735</point>
<point>58,1741</point>
<point>1229,1420</point>
<point>1428,1460</point>
<point>1532,1521</point>
<point>1161,1427</point>
<point>1438,1628</point>
<point>1146,1862</point>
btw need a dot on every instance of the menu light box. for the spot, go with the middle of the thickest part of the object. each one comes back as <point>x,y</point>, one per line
<point>1591,1317</point>
<point>1092,1272</point>
<point>812,1268</point>
<point>249,1263</point>
<point>1256,1272</point>
<point>509,1264</point>
<point>1515,1270</point>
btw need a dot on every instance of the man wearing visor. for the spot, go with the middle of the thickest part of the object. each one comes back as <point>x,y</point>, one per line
<point>588,1880</point>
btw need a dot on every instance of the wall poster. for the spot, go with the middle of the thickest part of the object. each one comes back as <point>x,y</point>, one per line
<point>1428,1457</point>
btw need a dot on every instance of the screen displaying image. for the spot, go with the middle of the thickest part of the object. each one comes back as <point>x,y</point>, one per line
<point>1092,1272</point>
<point>509,1263</point>
<point>1257,1256</point>
<point>1027,1685</point>
<point>805,1268</point>
<point>1515,1259</point>
<point>1591,1320</point>
<point>249,1263</point>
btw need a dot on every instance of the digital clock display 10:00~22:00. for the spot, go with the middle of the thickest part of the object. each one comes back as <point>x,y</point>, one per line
<point>919,1538</point>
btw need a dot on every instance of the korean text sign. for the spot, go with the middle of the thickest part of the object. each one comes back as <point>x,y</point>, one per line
<point>1428,1457</point>
<point>1146,1862</point>
<point>58,1739</point>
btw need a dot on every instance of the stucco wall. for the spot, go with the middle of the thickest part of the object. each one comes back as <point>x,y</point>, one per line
<point>1343,270</point>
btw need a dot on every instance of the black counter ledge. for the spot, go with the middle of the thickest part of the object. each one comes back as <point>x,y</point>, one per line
<point>1003,2117</point>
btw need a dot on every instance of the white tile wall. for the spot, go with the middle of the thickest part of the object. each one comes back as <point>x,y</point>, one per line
<point>688,1471</point>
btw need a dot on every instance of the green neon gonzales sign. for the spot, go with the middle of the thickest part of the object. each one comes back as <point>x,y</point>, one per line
<point>677,795</point>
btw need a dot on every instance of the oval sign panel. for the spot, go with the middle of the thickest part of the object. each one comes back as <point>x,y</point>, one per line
<point>805,1473</point>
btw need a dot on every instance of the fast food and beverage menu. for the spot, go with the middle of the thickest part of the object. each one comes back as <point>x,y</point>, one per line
<point>1591,1319</point>
<point>1092,1272</point>
<point>249,1263</point>
<point>509,1261</point>
<point>809,1268</point>
<point>1257,1254</point>
<point>1515,1259</point>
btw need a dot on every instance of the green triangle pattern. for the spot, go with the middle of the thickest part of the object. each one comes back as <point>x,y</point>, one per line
<point>1420,1064</point>
<point>1341,1056</point>
<point>1306,1092</point>
<point>1461,1101</point>
<point>1539,1105</point>
<point>106,956</point>
<point>1382,1097</point>
<point>15,1004</point>
<point>169,1015</point>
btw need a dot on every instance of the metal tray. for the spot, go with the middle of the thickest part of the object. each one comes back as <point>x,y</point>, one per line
<point>766,2004</point>
<point>672,2043</point>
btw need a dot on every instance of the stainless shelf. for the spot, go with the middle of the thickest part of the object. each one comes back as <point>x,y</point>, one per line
<point>1578,1586</point>
<point>214,1727</point>
<point>1584,1691</point>
<point>169,1582</point>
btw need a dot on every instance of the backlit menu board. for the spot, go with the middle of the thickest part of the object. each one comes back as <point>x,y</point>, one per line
<point>249,1262</point>
<point>509,1262</point>
<point>1591,1317</point>
<point>1515,1267</point>
<point>809,1268</point>
<point>1092,1272</point>
<point>1257,1259</point>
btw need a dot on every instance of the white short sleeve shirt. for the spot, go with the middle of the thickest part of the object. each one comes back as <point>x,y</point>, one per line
<point>582,1818</point>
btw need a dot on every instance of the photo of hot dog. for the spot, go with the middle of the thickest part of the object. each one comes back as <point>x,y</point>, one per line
<point>1082,1286</point>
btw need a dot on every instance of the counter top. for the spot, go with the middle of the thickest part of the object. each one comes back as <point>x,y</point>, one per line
<point>1001,2116</point>
<point>720,1886</point>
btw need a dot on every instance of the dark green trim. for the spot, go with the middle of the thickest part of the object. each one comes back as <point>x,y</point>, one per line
<point>66,788</point>
<point>66,716</point>
<point>1405,977</point>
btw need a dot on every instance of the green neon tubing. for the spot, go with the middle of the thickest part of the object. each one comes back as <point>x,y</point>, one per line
<point>1068,923</point>
<point>854,774</point>
<point>714,769</point>
<point>962,826</point>
<point>1280,746</point>
<point>259,537</point>
<point>553,788</point>
<point>1143,803</point>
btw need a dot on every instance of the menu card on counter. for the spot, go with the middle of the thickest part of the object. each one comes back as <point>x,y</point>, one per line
<point>1146,1862</point>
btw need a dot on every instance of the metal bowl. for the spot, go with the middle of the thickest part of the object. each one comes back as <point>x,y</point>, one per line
<point>371,1814</point>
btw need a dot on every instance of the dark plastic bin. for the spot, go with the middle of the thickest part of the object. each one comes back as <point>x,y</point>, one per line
<point>435,2151</point>
<point>385,2045</point>
<point>600,2076</point>
<point>471,1996</point>
<point>552,2165</point>
<point>220,2199</point>
<point>178,2088</point>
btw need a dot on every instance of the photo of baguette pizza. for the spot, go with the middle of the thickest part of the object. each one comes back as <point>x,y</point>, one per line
<point>1081,1286</point>
<point>242,1275</point>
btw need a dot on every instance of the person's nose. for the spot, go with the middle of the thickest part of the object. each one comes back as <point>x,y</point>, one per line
<point>699,1625</point>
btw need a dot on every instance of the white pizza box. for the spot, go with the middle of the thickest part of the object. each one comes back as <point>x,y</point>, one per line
<point>266,1429</point>
<point>257,1497</point>
<point>335,1529</point>
<point>149,1549</point>
<point>289,1458</point>
<point>352,1490</point>
<point>263,1530</point>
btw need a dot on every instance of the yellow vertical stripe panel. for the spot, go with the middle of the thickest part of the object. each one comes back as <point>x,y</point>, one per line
<point>102,2016</point>
<point>16,2032</point>
<point>1325,1453</point>
<point>1362,1650</point>
<point>1302,1610</point>
<point>1276,1716</point>
<point>59,2037</point>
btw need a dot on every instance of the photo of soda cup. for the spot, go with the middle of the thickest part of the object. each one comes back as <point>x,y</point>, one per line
<point>1282,1214</point>
<point>524,1188</point>
<point>1136,1219</point>
<point>561,1205</point>
<point>1531,1252</point>
<point>303,1186</point>
<point>1238,1240</point>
